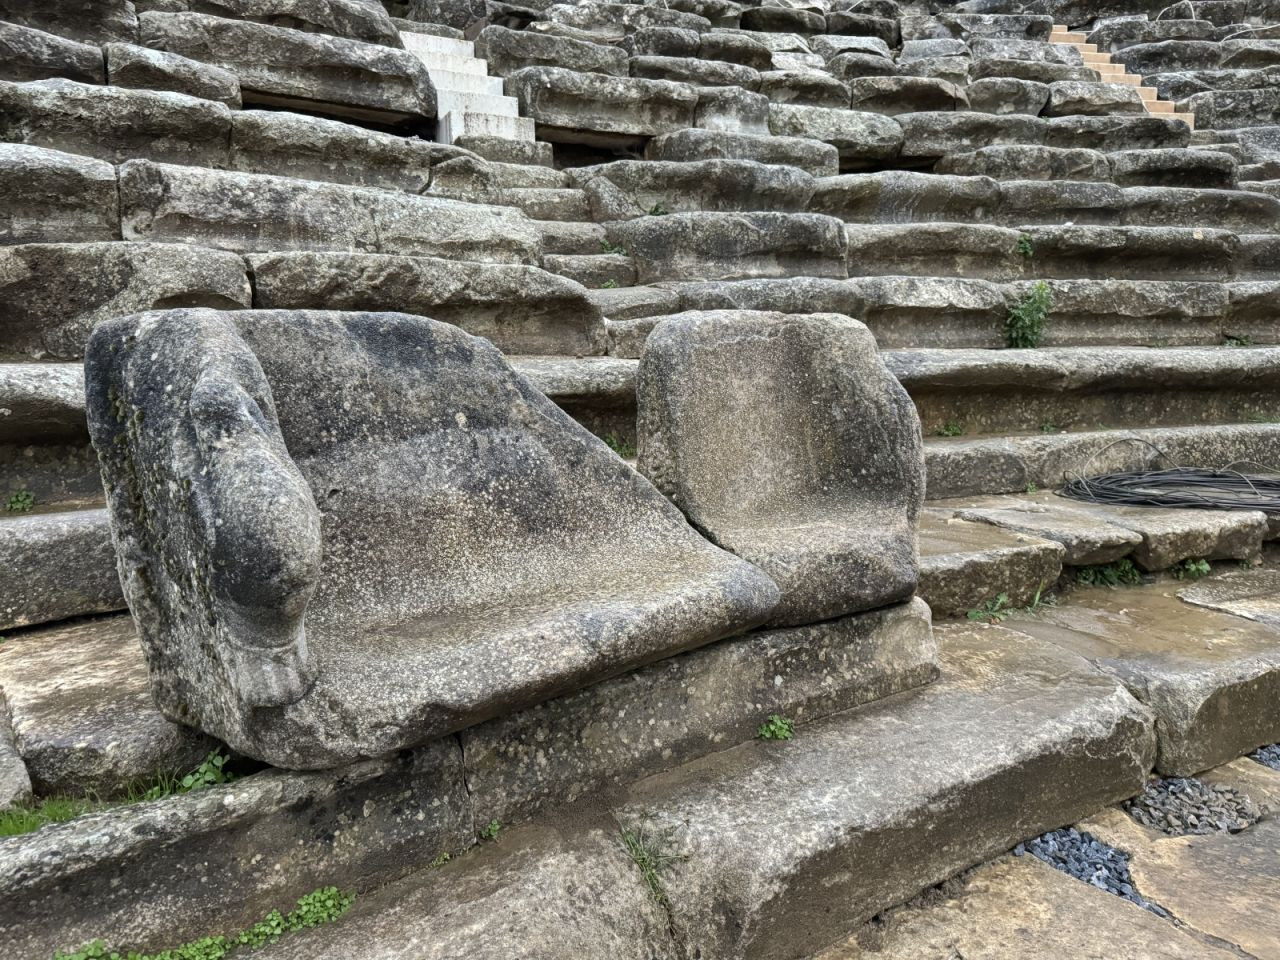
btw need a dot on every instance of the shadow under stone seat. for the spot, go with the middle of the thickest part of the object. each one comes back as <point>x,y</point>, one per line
<point>347,533</point>
<point>786,440</point>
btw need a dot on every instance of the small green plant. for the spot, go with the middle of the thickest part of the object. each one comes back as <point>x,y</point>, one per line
<point>1024,326</point>
<point>1118,573</point>
<point>1031,487</point>
<point>1049,427</point>
<point>211,770</point>
<point>658,210</point>
<point>1192,568</point>
<point>613,248</point>
<point>610,284</point>
<point>777,727</point>
<point>20,502</point>
<point>441,859</point>
<point>27,817</point>
<point>620,445</point>
<point>491,831</point>
<point>313,910</point>
<point>952,428</point>
<point>1026,247</point>
<point>998,608</point>
<point>1238,341</point>
<point>650,856</point>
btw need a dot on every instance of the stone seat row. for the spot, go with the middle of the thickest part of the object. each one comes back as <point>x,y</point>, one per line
<point>241,61</point>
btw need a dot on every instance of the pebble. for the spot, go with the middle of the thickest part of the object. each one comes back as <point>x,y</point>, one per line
<point>1268,755</point>
<point>1180,806</point>
<point>1085,857</point>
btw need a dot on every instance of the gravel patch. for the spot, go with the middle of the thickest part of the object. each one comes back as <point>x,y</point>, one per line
<point>1270,756</point>
<point>1180,806</point>
<point>1085,857</point>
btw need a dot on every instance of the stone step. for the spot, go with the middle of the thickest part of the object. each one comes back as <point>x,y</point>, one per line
<point>45,458</point>
<point>430,46</point>
<point>467,83</point>
<point>453,63</point>
<point>454,102</point>
<point>965,564</point>
<point>1213,699</point>
<point>550,203</point>
<point>960,467</point>
<point>594,271</point>
<point>1054,389</point>
<point>773,834</point>
<point>61,564</point>
<point>457,126</point>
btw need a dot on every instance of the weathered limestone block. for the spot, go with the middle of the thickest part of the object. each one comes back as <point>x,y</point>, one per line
<point>732,246</point>
<point>937,311</point>
<point>669,713</point>
<point>254,212</point>
<point>828,47</point>
<point>902,196</point>
<point>812,156</point>
<point>978,26</point>
<point>735,48</point>
<point>1115,35</point>
<point>594,108</point>
<point>1169,55</point>
<point>30,54</point>
<point>640,186</point>
<point>732,110</point>
<point>1134,253</point>
<point>854,64</point>
<point>1240,210</point>
<point>804,86</point>
<point>1117,312</point>
<point>53,196</point>
<point>784,295</point>
<point>520,309</point>
<point>934,250</point>
<point>114,123</point>
<point>315,148</point>
<point>82,715</point>
<point>351,19</point>
<point>1025,202</point>
<point>129,65</point>
<point>618,19</point>
<point>1249,54</point>
<point>699,73</point>
<point>1035,71</point>
<point>786,440</point>
<point>61,565</point>
<point>15,782</point>
<point>860,138</point>
<point>1007,95</point>
<point>1225,109</point>
<point>1173,168</point>
<point>1012,161</point>
<point>929,49</point>
<point>98,22</point>
<point>1067,98</point>
<point>40,320</point>
<point>278,66</point>
<point>275,634</point>
<point>783,19</point>
<point>864,25</point>
<point>655,42</point>
<point>1008,49</point>
<point>936,134</point>
<point>506,51</point>
<point>1109,134</point>
<point>894,95</point>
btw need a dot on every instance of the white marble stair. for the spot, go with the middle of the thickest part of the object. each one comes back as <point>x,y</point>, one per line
<point>468,100</point>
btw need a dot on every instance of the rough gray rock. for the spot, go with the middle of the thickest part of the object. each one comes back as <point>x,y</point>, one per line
<point>94,23</point>
<point>213,860</point>
<point>732,246</point>
<point>30,54</point>
<point>129,65</point>
<point>853,65</point>
<point>1173,168</point>
<point>1235,108</point>
<point>618,19</point>
<point>314,148</point>
<point>895,95</point>
<point>593,108</point>
<point>1028,202</point>
<point>82,714</point>
<point>1240,210</point>
<point>804,87</point>
<point>520,309</point>
<point>932,135</point>
<point>61,564</point>
<point>860,138</point>
<point>506,51</point>
<point>1012,161</point>
<point>785,439</point>
<point>40,320</point>
<point>56,196</point>
<point>732,109</point>
<point>1086,538</point>
<point>903,196</point>
<point>934,250</point>
<point>274,640</point>
<point>1007,95</point>
<point>114,123</point>
<point>699,73</point>
<point>735,48</point>
<point>15,782</point>
<point>254,212</point>
<point>1110,134</point>
<point>669,713</point>
<point>637,187</point>
<point>812,156</point>
<point>1072,98</point>
<point>279,66</point>
<point>656,42</point>
<point>1168,55</point>
<point>350,19</point>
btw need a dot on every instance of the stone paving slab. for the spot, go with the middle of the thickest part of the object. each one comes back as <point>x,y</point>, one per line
<point>1021,909</point>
